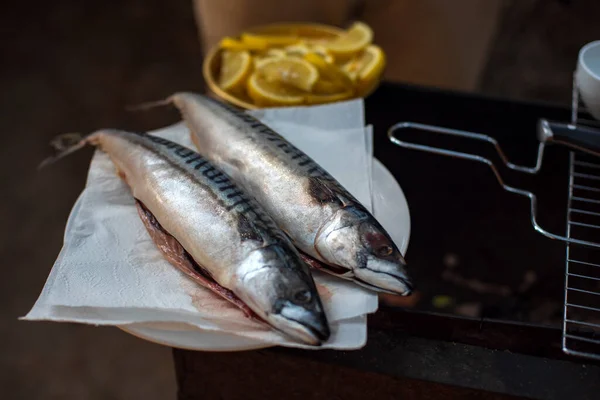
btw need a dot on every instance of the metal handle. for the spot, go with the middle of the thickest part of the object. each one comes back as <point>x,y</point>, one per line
<point>577,137</point>
<point>473,157</point>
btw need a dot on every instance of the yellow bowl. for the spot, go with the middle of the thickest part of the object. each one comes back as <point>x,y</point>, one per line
<point>212,62</point>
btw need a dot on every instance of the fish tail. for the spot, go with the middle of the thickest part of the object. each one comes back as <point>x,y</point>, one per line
<point>64,145</point>
<point>150,104</point>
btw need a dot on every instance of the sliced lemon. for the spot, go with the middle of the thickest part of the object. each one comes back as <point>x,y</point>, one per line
<point>297,50</point>
<point>233,44</point>
<point>235,69</point>
<point>276,53</point>
<point>266,93</point>
<point>369,64</point>
<point>269,54</point>
<point>329,73</point>
<point>300,50</point>
<point>319,41</point>
<point>268,40</point>
<point>326,87</point>
<point>259,61</point>
<point>295,72</point>
<point>324,53</point>
<point>366,69</point>
<point>356,38</point>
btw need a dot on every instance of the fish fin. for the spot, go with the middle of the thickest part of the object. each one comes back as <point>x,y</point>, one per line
<point>177,256</point>
<point>321,191</point>
<point>150,105</point>
<point>64,145</point>
<point>327,191</point>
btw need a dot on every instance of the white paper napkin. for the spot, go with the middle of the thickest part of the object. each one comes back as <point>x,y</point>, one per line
<point>109,272</point>
<point>327,117</point>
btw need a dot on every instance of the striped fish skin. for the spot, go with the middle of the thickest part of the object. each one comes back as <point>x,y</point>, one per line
<point>321,217</point>
<point>224,230</point>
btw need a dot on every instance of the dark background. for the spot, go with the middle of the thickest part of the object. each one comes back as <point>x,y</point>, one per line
<point>69,65</point>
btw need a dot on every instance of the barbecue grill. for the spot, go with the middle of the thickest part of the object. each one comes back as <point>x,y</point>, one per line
<point>581,315</point>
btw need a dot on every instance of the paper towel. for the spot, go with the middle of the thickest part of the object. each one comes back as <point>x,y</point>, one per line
<point>109,272</point>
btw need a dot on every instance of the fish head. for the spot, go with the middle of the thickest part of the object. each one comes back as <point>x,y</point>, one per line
<point>353,241</point>
<point>277,285</point>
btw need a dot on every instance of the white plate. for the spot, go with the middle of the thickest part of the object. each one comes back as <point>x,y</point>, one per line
<point>391,210</point>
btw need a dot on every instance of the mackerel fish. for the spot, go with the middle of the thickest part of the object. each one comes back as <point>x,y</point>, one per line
<point>324,221</point>
<point>206,226</point>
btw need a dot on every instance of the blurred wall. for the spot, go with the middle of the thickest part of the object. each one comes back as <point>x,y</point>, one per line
<point>535,48</point>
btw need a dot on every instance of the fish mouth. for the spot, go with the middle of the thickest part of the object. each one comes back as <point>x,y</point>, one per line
<point>398,284</point>
<point>321,333</point>
<point>385,282</point>
<point>338,271</point>
<point>308,327</point>
<point>407,292</point>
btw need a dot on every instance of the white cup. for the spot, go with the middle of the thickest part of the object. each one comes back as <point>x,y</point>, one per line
<point>587,77</point>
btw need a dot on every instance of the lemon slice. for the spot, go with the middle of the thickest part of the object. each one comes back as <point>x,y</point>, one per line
<point>330,73</point>
<point>268,40</point>
<point>259,61</point>
<point>327,87</point>
<point>366,69</point>
<point>232,44</point>
<point>295,72</point>
<point>300,50</point>
<point>323,52</point>
<point>275,53</point>
<point>368,65</point>
<point>318,41</point>
<point>235,68</point>
<point>270,54</point>
<point>266,93</point>
<point>352,41</point>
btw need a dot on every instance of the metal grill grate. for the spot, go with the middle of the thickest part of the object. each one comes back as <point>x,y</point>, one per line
<point>581,324</point>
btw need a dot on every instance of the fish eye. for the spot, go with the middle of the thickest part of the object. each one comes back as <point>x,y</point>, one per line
<point>302,297</point>
<point>385,250</point>
<point>379,244</point>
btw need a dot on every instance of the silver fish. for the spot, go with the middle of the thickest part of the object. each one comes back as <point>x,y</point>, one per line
<point>321,217</point>
<point>211,230</point>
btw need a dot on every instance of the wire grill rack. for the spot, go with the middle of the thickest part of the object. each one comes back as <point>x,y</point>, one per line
<point>581,318</point>
<point>581,315</point>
